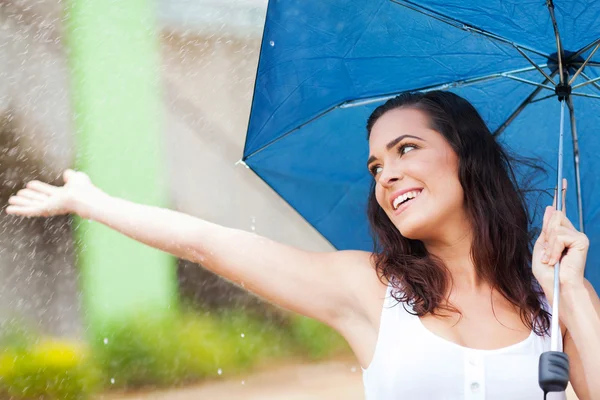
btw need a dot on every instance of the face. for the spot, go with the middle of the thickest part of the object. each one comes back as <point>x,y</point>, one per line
<point>416,174</point>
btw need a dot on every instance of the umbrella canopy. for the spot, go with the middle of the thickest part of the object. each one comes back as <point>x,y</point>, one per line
<point>325,65</point>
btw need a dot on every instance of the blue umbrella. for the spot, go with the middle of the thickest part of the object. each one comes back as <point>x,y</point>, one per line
<point>325,65</point>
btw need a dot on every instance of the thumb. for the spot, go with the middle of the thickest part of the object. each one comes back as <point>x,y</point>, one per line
<point>68,174</point>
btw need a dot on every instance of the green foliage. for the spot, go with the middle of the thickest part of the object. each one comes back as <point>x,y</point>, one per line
<point>49,369</point>
<point>154,352</point>
<point>316,339</point>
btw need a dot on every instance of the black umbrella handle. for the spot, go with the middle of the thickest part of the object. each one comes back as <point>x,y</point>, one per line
<point>553,371</point>
<point>554,364</point>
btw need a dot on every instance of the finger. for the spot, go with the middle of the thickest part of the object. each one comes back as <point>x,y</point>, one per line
<point>557,219</point>
<point>42,187</point>
<point>565,239</point>
<point>548,249</point>
<point>545,220</point>
<point>32,194</point>
<point>23,211</point>
<point>547,215</point>
<point>554,250</point>
<point>566,222</point>
<point>22,201</point>
<point>68,174</point>
<point>553,221</point>
<point>562,242</point>
<point>550,233</point>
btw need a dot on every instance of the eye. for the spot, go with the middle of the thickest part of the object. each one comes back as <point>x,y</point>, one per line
<point>407,146</point>
<point>376,170</point>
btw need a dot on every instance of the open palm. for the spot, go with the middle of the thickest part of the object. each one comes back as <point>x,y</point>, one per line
<point>39,199</point>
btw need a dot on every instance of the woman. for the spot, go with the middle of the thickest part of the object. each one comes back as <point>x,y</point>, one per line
<point>452,252</point>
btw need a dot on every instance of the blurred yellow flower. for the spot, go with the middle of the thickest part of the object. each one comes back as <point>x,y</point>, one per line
<point>58,353</point>
<point>8,359</point>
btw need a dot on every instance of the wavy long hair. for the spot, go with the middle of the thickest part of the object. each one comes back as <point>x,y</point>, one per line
<point>495,205</point>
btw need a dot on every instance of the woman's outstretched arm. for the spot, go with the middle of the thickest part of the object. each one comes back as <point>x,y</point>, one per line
<point>325,286</point>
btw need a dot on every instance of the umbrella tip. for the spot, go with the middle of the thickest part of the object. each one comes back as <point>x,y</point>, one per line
<point>241,162</point>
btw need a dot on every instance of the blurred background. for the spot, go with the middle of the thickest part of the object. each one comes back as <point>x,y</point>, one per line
<point>151,98</point>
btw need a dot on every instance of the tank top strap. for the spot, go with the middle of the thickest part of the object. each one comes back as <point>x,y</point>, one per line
<point>400,312</point>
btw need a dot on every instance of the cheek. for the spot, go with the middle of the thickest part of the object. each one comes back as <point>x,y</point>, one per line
<point>440,173</point>
<point>380,196</point>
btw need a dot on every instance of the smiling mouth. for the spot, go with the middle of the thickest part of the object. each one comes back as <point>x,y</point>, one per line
<point>405,198</point>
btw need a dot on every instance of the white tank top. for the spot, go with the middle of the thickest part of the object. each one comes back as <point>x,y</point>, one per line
<point>411,362</point>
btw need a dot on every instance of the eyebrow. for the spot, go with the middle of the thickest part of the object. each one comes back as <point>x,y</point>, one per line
<point>393,143</point>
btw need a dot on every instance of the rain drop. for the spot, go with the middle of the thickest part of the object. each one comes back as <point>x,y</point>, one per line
<point>272,43</point>
<point>219,371</point>
<point>242,335</point>
<point>105,340</point>
<point>112,381</point>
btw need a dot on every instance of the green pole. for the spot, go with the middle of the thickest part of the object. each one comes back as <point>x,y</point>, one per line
<point>113,54</point>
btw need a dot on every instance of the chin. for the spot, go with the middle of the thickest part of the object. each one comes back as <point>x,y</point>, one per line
<point>410,229</point>
<point>411,234</point>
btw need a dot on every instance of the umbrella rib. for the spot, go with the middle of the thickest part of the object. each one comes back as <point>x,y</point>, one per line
<point>591,96</point>
<point>462,25</point>
<point>587,82</point>
<point>527,81</point>
<point>528,100</point>
<point>589,64</point>
<point>584,49</point>
<point>369,100</point>
<point>535,65</point>
<point>584,64</point>
<point>591,81</point>
<point>277,139</point>
<point>443,86</point>
<point>550,5</point>
<point>543,98</point>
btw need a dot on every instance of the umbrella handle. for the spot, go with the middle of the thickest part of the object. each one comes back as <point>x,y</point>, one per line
<point>554,364</point>
<point>553,371</point>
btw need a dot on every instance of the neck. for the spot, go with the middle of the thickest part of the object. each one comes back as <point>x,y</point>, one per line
<point>454,249</point>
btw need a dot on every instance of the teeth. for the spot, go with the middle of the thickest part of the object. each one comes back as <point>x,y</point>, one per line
<point>400,199</point>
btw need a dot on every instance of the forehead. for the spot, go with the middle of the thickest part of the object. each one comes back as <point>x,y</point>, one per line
<point>400,121</point>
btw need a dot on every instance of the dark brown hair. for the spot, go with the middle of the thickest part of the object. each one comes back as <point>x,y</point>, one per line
<point>496,207</point>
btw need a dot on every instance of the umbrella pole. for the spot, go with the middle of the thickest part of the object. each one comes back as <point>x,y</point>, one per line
<point>554,364</point>
<point>559,205</point>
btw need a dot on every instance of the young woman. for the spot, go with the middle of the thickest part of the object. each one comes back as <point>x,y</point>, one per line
<point>453,302</point>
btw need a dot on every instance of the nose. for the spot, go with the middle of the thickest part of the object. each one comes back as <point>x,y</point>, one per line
<point>390,175</point>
